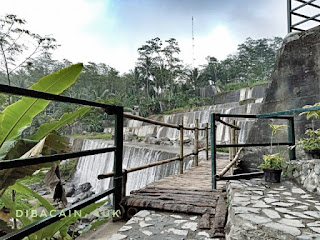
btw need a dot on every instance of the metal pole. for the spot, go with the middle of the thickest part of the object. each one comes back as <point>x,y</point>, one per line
<point>181,147</point>
<point>117,169</point>
<point>196,137</point>
<point>289,15</point>
<point>291,138</point>
<point>207,141</point>
<point>213,151</point>
<point>124,182</point>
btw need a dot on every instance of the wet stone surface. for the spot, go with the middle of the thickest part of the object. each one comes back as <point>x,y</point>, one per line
<point>285,211</point>
<point>161,226</point>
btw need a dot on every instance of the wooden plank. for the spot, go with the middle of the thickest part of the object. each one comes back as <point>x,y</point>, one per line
<point>168,206</point>
<point>162,189</point>
<point>178,197</point>
<point>204,222</point>
<point>220,217</point>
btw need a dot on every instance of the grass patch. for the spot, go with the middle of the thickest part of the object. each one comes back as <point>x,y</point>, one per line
<point>20,199</point>
<point>28,180</point>
<point>225,150</point>
<point>235,86</point>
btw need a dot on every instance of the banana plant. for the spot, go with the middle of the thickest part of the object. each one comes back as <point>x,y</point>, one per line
<point>19,115</point>
<point>60,227</point>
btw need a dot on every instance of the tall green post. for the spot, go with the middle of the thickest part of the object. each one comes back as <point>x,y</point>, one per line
<point>213,150</point>
<point>117,167</point>
<point>291,138</point>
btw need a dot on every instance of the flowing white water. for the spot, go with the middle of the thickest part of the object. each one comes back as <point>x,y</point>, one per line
<point>90,167</point>
<point>203,115</point>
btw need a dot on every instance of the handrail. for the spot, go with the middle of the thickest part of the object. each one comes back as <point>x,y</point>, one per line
<point>27,230</point>
<point>292,111</point>
<point>216,117</point>
<point>226,169</point>
<point>117,182</point>
<point>111,174</point>
<point>228,124</point>
<point>148,120</point>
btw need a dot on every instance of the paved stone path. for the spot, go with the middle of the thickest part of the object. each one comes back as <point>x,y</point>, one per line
<point>260,210</point>
<point>161,226</point>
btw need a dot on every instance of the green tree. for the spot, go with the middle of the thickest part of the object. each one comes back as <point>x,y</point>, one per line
<point>19,45</point>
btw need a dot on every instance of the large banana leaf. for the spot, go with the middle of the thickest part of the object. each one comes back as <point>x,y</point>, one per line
<point>21,113</point>
<point>63,224</point>
<point>15,148</point>
<point>66,118</point>
<point>9,176</point>
<point>25,190</point>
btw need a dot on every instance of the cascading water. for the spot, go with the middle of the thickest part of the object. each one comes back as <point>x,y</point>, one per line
<point>232,102</point>
<point>90,167</point>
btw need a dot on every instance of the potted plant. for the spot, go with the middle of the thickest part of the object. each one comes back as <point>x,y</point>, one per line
<point>272,167</point>
<point>311,144</point>
<point>273,163</point>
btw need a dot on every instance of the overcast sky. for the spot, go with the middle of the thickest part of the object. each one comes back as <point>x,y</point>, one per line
<point>111,31</point>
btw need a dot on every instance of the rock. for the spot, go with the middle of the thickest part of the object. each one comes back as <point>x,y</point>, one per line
<point>43,192</point>
<point>165,139</point>
<point>36,186</point>
<point>152,139</point>
<point>70,191</point>
<point>166,143</point>
<point>85,187</point>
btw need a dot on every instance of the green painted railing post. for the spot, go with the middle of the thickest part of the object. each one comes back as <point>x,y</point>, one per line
<point>213,150</point>
<point>291,138</point>
<point>117,169</point>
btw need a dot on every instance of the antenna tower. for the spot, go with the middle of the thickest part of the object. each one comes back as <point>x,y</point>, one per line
<point>193,59</point>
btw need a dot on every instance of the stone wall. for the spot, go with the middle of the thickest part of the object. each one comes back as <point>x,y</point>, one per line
<point>295,83</point>
<point>306,173</point>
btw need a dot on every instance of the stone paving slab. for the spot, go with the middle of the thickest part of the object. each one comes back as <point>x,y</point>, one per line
<point>157,225</point>
<point>260,210</point>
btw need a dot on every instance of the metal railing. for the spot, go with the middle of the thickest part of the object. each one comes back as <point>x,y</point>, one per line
<point>293,12</point>
<point>116,190</point>
<point>181,156</point>
<point>217,117</point>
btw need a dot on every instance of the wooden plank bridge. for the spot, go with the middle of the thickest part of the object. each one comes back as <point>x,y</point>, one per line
<point>189,193</point>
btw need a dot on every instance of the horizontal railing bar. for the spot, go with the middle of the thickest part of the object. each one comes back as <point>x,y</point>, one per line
<point>153,164</point>
<point>6,164</point>
<point>248,116</point>
<point>110,109</point>
<point>111,174</point>
<point>203,128</point>
<point>241,176</point>
<point>287,112</point>
<point>297,29</point>
<point>304,16</point>
<point>306,20</point>
<point>27,230</point>
<point>311,4</point>
<point>147,120</point>
<point>228,124</point>
<point>253,144</point>
<point>302,5</point>
<point>126,115</point>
